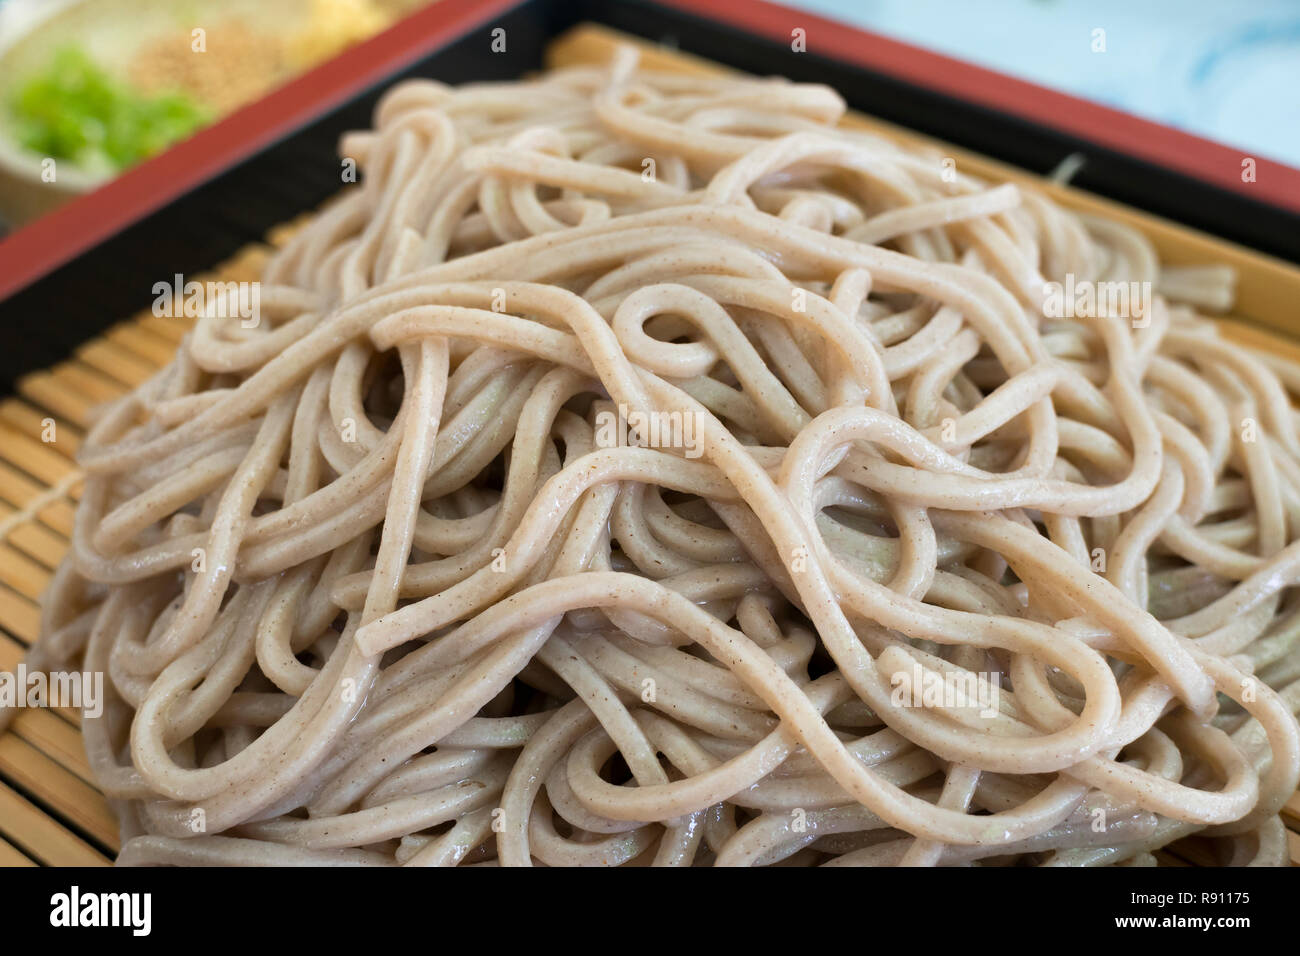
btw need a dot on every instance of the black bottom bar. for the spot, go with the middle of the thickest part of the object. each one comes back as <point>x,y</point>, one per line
<point>926,908</point>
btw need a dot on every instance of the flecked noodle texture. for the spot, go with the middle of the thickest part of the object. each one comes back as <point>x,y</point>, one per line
<point>643,468</point>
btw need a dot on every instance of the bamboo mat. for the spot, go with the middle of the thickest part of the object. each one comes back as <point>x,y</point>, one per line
<point>50,810</point>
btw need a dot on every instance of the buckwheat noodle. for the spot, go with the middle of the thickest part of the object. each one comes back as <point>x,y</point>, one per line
<point>371,584</point>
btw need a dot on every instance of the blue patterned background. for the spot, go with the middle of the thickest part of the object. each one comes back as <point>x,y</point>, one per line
<point>1228,70</point>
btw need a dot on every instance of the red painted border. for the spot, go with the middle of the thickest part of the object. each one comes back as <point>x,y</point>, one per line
<point>54,239</point>
<point>1199,158</point>
<point>48,242</point>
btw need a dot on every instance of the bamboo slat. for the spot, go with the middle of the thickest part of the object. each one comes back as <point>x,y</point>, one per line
<point>56,738</point>
<point>58,788</point>
<point>50,811</point>
<point>12,856</point>
<point>19,617</point>
<point>41,835</point>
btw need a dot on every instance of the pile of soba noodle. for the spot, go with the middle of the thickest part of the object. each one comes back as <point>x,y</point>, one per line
<point>372,583</point>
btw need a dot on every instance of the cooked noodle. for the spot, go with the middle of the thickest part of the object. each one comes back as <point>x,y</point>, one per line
<point>372,584</point>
